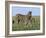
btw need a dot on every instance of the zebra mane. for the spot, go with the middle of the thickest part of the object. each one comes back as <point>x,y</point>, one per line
<point>29,13</point>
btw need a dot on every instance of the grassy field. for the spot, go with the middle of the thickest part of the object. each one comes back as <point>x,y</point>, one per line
<point>33,26</point>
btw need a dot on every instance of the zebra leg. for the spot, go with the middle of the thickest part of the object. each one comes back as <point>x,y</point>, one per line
<point>18,21</point>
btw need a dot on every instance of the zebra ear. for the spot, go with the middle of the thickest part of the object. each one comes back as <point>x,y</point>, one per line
<point>29,13</point>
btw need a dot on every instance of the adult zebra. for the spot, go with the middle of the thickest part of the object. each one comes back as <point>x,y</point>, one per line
<point>24,18</point>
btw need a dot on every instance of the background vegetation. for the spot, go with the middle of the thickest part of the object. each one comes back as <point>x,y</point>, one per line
<point>35,25</point>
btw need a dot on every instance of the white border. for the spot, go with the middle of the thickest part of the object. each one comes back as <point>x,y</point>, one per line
<point>24,32</point>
